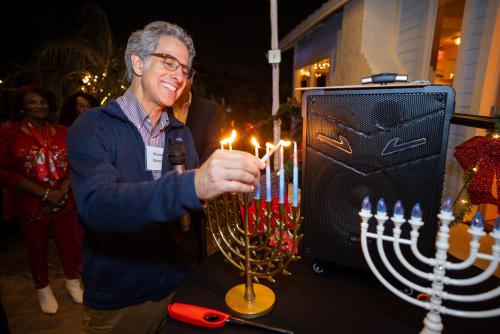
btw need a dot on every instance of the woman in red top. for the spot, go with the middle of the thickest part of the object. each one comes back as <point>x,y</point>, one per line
<point>34,166</point>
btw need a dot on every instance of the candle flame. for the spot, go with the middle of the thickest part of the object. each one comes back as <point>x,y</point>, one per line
<point>285,142</point>
<point>230,139</point>
<point>255,142</point>
<point>233,136</point>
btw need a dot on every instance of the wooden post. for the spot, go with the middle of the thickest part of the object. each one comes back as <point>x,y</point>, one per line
<point>276,78</point>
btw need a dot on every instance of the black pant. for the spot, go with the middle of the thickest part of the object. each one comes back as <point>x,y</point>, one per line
<point>4,325</point>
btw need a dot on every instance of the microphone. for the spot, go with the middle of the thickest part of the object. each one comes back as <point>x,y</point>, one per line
<point>177,157</point>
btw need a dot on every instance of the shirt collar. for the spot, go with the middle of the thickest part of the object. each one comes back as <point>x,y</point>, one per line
<point>136,113</point>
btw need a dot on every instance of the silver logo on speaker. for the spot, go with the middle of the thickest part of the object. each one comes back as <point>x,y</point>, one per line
<point>394,146</point>
<point>341,144</point>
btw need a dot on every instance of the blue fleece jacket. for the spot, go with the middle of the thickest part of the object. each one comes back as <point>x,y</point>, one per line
<point>130,253</point>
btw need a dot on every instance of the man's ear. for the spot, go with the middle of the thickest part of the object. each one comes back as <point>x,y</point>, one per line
<point>137,64</point>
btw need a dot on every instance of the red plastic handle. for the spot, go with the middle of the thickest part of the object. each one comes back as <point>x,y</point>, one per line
<point>197,315</point>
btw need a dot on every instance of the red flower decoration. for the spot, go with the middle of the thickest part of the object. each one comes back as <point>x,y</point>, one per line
<point>484,154</point>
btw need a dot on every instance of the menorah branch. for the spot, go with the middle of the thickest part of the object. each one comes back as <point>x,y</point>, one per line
<point>371,265</point>
<point>401,278</point>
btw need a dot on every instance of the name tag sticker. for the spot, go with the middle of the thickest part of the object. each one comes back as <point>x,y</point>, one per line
<point>154,157</point>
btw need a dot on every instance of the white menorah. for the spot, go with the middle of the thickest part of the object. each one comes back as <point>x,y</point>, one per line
<point>432,321</point>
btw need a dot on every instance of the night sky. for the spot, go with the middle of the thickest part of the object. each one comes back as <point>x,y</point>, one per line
<point>229,35</point>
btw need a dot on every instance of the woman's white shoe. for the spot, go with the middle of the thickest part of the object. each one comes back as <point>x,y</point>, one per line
<point>75,290</point>
<point>48,302</point>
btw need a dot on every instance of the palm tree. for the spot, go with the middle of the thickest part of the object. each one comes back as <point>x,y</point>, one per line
<point>85,61</point>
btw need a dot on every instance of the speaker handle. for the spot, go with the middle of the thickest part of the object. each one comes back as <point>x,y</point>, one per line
<point>385,78</point>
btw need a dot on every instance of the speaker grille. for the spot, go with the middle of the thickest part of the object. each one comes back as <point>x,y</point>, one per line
<point>387,143</point>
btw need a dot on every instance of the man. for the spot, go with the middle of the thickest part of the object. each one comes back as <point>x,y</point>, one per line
<point>203,118</point>
<point>127,195</point>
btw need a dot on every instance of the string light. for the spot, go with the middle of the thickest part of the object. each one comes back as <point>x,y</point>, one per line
<point>102,86</point>
<point>322,65</point>
<point>305,73</point>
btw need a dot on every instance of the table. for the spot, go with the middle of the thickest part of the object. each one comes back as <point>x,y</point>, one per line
<point>341,300</point>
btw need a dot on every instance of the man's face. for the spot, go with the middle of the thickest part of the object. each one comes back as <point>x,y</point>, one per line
<point>161,86</point>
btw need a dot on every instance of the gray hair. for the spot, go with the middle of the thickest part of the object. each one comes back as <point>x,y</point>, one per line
<point>143,42</point>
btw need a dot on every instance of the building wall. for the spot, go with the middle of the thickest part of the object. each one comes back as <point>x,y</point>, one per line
<point>375,38</point>
<point>351,64</point>
<point>379,36</point>
<point>472,31</point>
<point>409,36</point>
<point>319,43</point>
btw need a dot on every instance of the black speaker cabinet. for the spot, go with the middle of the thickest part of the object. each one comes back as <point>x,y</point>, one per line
<point>378,141</point>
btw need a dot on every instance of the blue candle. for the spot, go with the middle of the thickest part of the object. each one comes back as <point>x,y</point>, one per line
<point>295,176</point>
<point>257,186</point>
<point>282,186</point>
<point>282,177</point>
<point>478,221</point>
<point>268,174</point>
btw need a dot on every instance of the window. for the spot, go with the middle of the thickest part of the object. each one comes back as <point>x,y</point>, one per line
<point>446,41</point>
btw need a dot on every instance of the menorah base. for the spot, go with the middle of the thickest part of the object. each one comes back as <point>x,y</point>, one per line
<point>261,305</point>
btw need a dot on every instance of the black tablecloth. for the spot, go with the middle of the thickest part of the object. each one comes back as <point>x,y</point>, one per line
<point>337,301</point>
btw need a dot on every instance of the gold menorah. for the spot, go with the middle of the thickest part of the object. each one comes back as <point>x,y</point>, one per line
<point>260,248</point>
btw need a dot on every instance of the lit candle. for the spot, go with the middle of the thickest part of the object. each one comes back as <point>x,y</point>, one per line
<point>295,176</point>
<point>228,140</point>
<point>282,171</point>
<point>271,150</point>
<point>257,186</point>
<point>231,139</point>
<point>269,147</point>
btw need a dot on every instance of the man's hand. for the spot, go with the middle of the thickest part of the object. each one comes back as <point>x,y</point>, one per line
<point>227,171</point>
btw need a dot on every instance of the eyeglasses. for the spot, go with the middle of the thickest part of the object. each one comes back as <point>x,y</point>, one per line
<point>172,64</point>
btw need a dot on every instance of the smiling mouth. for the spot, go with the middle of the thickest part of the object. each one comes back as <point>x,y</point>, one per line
<point>169,86</point>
